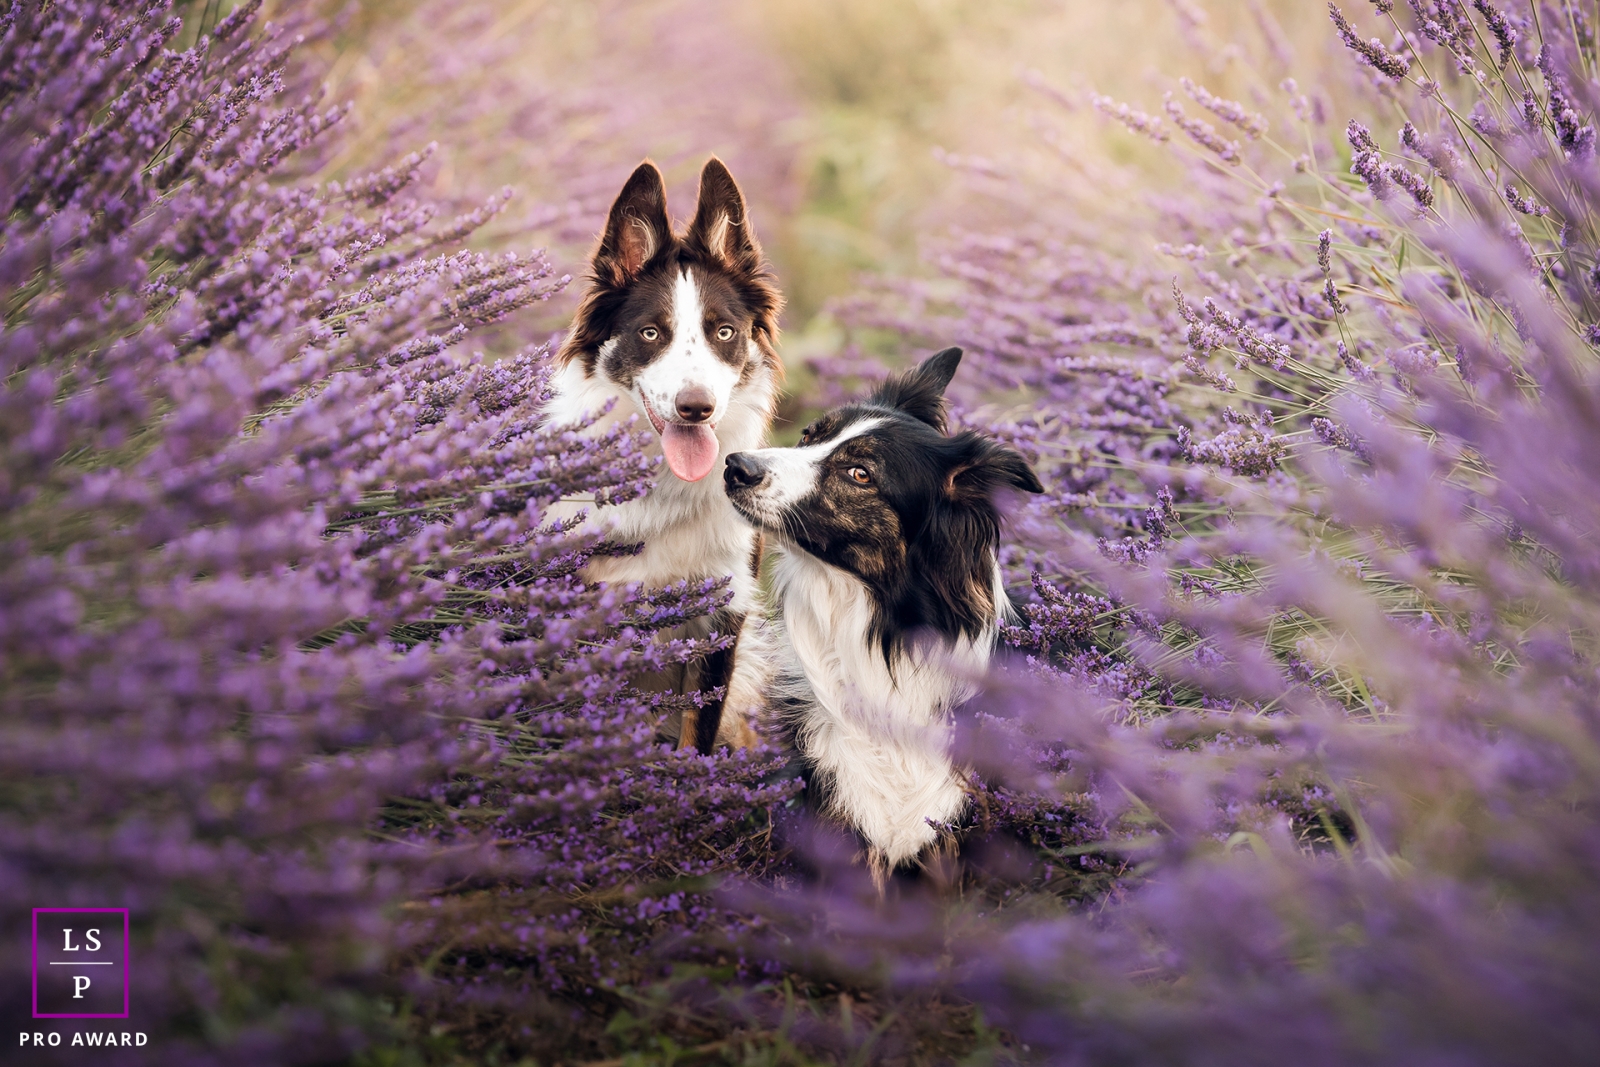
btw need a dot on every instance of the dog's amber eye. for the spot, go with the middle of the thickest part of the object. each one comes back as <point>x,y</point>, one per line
<point>805,436</point>
<point>649,333</point>
<point>860,475</point>
<point>725,333</point>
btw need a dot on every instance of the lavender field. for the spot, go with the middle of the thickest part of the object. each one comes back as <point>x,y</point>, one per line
<point>1294,308</point>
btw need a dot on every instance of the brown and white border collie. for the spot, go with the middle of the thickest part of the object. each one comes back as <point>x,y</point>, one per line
<point>682,330</point>
<point>890,597</point>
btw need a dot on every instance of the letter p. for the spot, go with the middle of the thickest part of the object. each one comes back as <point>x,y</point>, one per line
<point>80,982</point>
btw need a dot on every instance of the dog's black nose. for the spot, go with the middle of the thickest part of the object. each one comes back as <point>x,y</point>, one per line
<point>695,403</point>
<point>744,471</point>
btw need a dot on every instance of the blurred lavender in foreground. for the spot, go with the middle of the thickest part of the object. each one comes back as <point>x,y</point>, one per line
<point>275,554</point>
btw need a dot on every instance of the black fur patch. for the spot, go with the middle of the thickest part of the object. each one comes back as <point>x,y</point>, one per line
<point>717,670</point>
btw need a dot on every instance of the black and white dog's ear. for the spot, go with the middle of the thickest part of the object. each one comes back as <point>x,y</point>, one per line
<point>636,229</point>
<point>721,227</point>
<point>920,392</point>
<point>988,466</point>
<point>1015,471</point>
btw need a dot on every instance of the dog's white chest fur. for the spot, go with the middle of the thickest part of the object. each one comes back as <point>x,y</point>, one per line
<point>877,734</point>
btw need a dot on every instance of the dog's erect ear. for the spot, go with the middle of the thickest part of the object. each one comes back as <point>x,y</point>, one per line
<point>988,466</point>
<point>920,392</point>
<point>636,229</point>
<point>1015,471</point>
<point>721,227</point>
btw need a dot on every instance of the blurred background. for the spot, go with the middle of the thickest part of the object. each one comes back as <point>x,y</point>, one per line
<point>862,132</point>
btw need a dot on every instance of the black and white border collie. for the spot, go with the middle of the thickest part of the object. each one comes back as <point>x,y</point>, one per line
<point>890,599</point>
<point>682,330</point>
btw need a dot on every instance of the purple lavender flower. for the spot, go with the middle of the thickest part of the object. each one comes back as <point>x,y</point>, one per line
<point>1367,162</point>
<point>1253,124</point>
<point>1247,446</point>
<point>1372,52</point>
<point>1202,133</point>
<point>1412,183</point>
<point>1578,141</point>
<point>1443,22</point>
<point>1485,122</point>
<point>1525,205</point>
<point>1505,34</point>
<point>1440,155</point>
<point>1358,370</point>
<point>1332,434</point>
<point>1330,293</point>
<point>1137,121</point>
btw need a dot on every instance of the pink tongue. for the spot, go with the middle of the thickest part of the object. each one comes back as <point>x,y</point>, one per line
<point>691,450</point>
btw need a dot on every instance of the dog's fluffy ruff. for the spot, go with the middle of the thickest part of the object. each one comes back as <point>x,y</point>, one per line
<point>876,729</point>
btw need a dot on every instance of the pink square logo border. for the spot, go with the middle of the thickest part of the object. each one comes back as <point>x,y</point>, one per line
<point>34,970</point>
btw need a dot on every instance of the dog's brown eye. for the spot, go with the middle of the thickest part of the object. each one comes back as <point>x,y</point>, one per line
<point>805,436</point>
<point>724,333</point>
<point>649,333</point>
<point>860,475</point>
